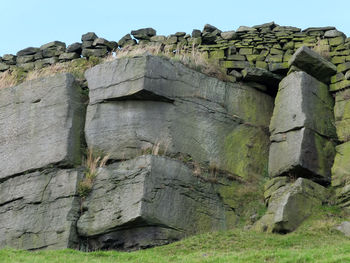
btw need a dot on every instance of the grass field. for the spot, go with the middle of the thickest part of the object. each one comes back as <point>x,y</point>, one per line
<point>315,241</point>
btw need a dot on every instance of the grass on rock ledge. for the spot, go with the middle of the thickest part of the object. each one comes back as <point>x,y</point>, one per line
<point>314,241</point>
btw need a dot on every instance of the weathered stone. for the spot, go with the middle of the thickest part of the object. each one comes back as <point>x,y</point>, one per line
<point>336,41</point>
<point>147,201</point>
<point>94,52</point>
<point>301,153</point>
<point>4,66</point>
<point>236,57</point>
<point>102,42</point>
<point>90,36</point>
<point>54,44</point>
<point>196,33</point>
<point>45,62</point>
<point>40,124</point>
<point>68,56</point>
<point>342,114</point>
<point>333,33</point>
<point>338,77</point>
<point>262,76</point>
<point>9,59</point>
<point>344,84</point>
<point>25,59</point>
<point>75,47</point>
<point>313,63</point>
<point>290,205</point>
<point>343,67</point>
<point>27,51</point>
<point>143,33</point>
<point>300,101</point>
<point>126,41</point>
<point>209,28</point>
<point>236,64</point>
<point>229,35</point>
<point>146,96</point>
<point>279,68</point>
<point>26,66</point>
<point>158,38</point>
<point>274,58</point>
<point>236,74</point>
<point>39,210</point>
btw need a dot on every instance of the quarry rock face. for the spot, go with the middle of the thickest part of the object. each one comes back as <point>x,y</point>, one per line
<point>147,201</point>
<point>41,123</point>
<point>141,102</point>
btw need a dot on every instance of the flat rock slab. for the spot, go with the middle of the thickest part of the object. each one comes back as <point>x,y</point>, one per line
<point>41,122</point>
<point>301,101</point>
<point>344,227</point>
<point>301,153</point>
<point>290,204</point>
<point>341,166</point>
<point>39,210</point>
<point>147,201</point>
<point>313,63</point>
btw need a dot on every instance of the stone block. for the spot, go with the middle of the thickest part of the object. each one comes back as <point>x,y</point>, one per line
<point>290,204</point>
<point>40,124</point>
<point>301,153</point>
<point>39,210</point>
<point>342,114</point>
<point>147,201</point>
<point>313,64</point>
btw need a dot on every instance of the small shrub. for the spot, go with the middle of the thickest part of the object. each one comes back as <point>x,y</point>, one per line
<point>92,163</point>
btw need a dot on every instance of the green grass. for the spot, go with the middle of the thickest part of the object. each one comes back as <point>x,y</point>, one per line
<point>314,241</point>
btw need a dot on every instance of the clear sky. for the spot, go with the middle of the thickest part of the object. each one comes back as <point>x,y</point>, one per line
<point>25,23</point>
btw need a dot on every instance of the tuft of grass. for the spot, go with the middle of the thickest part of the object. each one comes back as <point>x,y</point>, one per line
<point>92,163</point>
<point>12,77</point>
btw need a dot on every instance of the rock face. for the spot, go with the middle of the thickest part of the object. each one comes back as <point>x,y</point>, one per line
<point>40,124</point>
<point>147,201</point>
<point>39,210</point>
<point>302,142</point>
<point>290,204</point>
<point>142,102</point>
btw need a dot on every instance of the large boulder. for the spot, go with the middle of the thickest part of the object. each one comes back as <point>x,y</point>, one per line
<point>41,122</point>
<point>290,204</point>
<point>147,201</point>
<point>301,153</point>
<point>39,210</point>
<point>313,63</point>
<point>140,102</point>
<point>262,76</point>
<point>300,101</point>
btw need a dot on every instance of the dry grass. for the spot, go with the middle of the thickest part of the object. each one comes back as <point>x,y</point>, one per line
<point>92,163</point>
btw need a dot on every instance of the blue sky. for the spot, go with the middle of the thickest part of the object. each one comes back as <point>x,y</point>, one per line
<point>27,23</point>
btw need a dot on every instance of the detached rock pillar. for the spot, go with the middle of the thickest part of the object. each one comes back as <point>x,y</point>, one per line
<point>302,134</point>
<point>301,127</point>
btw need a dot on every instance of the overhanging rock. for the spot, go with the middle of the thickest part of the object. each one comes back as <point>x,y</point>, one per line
<point>138,103</point>
<point>148,201</point>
